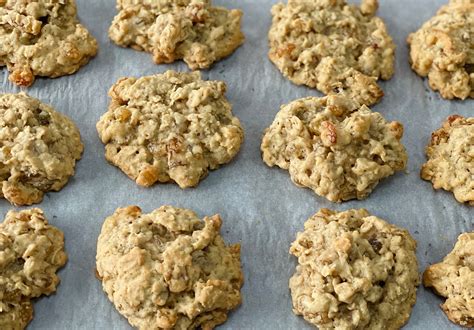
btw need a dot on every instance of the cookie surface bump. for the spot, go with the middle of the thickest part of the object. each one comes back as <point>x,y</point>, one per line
<point>450,154</point>
<point>453,278</point>
<point>39,148</point>
<point>169,127</point>
<point>42,38</point>
<point>443,50</point>
<point>168,269</point>
<point>192,30</point>
<point>355,271</point>
<point>331,145</point>
<point>332,46</point>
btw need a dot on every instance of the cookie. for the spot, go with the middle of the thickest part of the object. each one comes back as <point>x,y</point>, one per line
<point>355,271</point>
<point>191,30</point>
<point>169,127</point>
<point>453,278</point>
<point>31,252</point>
<point>42,38</point>
<point>16,316</point>
<point>450,154</point>
<point>332,46</point>
<point>39,148</point>
<point>334,146</point>
<point>443,50</point>
<point>168,269</point>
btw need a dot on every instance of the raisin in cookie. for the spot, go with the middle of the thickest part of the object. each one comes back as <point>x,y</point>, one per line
<point>450,155</point>
<point>42,38</point>
<point>355,271</point>
<point>333,146</point>
<point>443,50</point>
<point>168,269</point>
<point>192,30</point>
<point>31,252</point>
<point>453,278</point>
<point>332,46</point>
<point>38,149</point>
<point>169,127</point>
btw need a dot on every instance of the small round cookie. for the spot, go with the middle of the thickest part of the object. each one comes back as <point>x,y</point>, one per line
<point>38,149</point>
<point>332,46</point>
<point>16,316</point>
<point>450,164</point>
<point>333,146</point>
<point>355,271</point>
<point>453,278</point>
<point>168,269</point>
<point>192,30</point>
<point>42,38</point>
<point>31,251</point>
<point>443,50</point>
<point>169,127</point>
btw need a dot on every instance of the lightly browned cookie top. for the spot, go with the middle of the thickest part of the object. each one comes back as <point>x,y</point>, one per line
<point>334,146</point>
<point>450,154</point>
<point>31,252</point>
<point>443,50</point>
<point>355,271</point>
<point>168,269</point>
<point>170,127</point>
<point>453,278</point>
<point>192,30</point>
<point>332,46</point>
<point>42,38</point>
<point>39,148</point>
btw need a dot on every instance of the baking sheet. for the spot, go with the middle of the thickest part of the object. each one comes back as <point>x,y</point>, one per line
<point>260,206</point>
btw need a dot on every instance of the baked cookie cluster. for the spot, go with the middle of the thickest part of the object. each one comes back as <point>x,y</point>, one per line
<point>443,50</point>
<point>355,271</point>
<point>42,38</point>
<point>168,269</point>
<point>192,30</point>
<point>332,46</point>
<point>31,252</point>
<point>334,146</point>
<point>169,127</point>
<point>39,148</point>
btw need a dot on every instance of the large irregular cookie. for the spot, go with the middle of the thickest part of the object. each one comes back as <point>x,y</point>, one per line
<point>192,30</point>
<point>38,149</point>
<point>42,38</point>
<point>453,278</point>
<point>331,145</point>
<point>169,127</point>
<point>443,50</point>
<point>168,269</point>
<point>31,251</point>
<point>355,271</point>
<point>450,155</point>
<point>332,46</point>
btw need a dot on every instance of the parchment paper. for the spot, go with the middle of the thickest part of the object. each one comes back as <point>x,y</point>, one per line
<point>260,206</point>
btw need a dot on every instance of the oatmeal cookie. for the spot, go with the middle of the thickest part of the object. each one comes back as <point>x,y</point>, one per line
<point>453,278</point>
<point>168,269</point>
<point>31,252</point>
<point>333,146</point>
<point>355,271</point>
<point>443,50</point>
<point>42,38</point>
<point>15,316</point>
<point>38,149</point>
<point>332,46</point>
<point>192,30</point>
<point>450,164</point>
<point>169,127</point>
